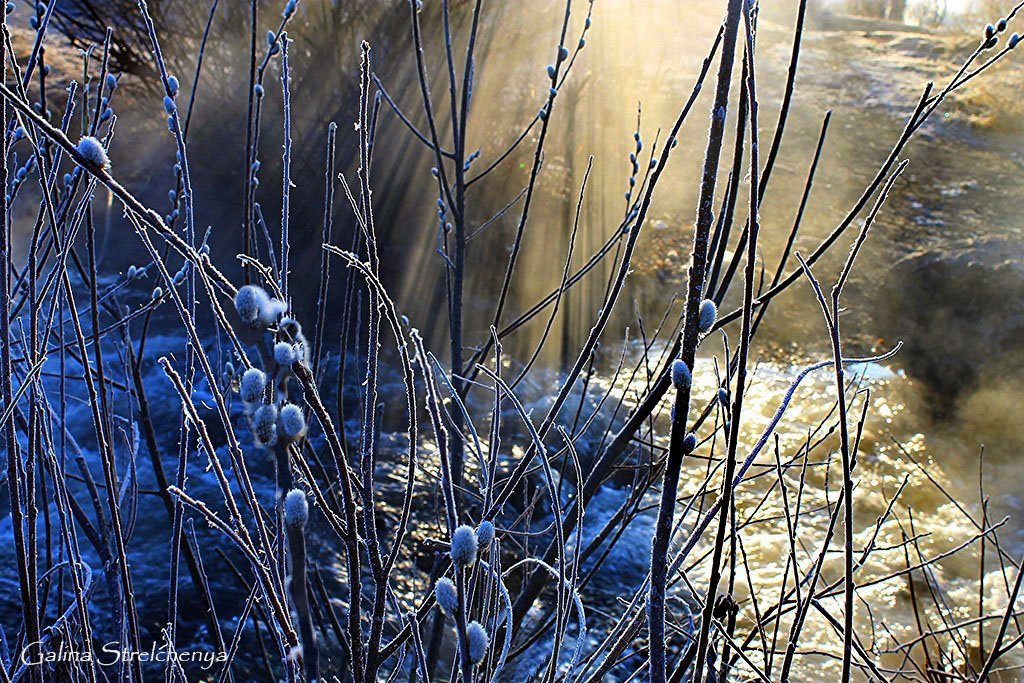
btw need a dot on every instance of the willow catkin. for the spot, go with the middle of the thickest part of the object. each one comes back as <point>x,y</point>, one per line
<point>270,311</point>
<point>249,302</point>
<point>484,536</point>
<point>296,509</point>
<point>681,377</point>
<point>92,149</point>
<point>707,315</point>
<point>479,641</point>
<point>464,545</point>
<point>265,424</point>
<point>284,353</point>
<point>253,383</point>
<point>292,421</point>
<point>447,596</point>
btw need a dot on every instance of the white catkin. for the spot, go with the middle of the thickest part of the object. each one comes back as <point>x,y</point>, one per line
<point>484,535</point>
<point>284,353</point>
<point>249,302</point>
<point>464,544</point>
<point>706,317</point>
<point>265,423</point>
<point>270,312</point>
<point>681,377</point>
<point>447,596</point>
<point>292,421</point>
<point>92,149</point>
<point>296,509</point>
<point>479,641</point>
<point>252,385</point>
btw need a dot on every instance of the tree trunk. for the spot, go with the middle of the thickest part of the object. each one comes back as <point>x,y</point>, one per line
<point>872,8</point>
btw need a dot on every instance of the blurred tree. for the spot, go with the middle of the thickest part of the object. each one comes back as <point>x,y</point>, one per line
<point>328,28</point>
<point>882,9</point>
<point>84,23</point>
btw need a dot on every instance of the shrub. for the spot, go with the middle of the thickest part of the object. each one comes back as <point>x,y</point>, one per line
<point>334,572</point>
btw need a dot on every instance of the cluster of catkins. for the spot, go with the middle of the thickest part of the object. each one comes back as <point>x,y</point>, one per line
<point>276,423</point>
<point>682,375</point>
<point>283,344</point>
<point>466,545</point>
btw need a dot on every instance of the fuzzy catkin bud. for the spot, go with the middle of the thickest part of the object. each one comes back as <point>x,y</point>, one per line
<point>689,443</point>
<point>284,353</point>
<point>265,424</point>
<point>252,385</point>
<point>706,317</point>
<point>447,596</point>
<point>484,535</point>
<point>479,641</point>
<point>681,378</point>
<point>292,421</point>
<point>296,509</point>
<point>270,311</point>
<point>249,301</point>
<point>464,545</point>
<point>92,149</point>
